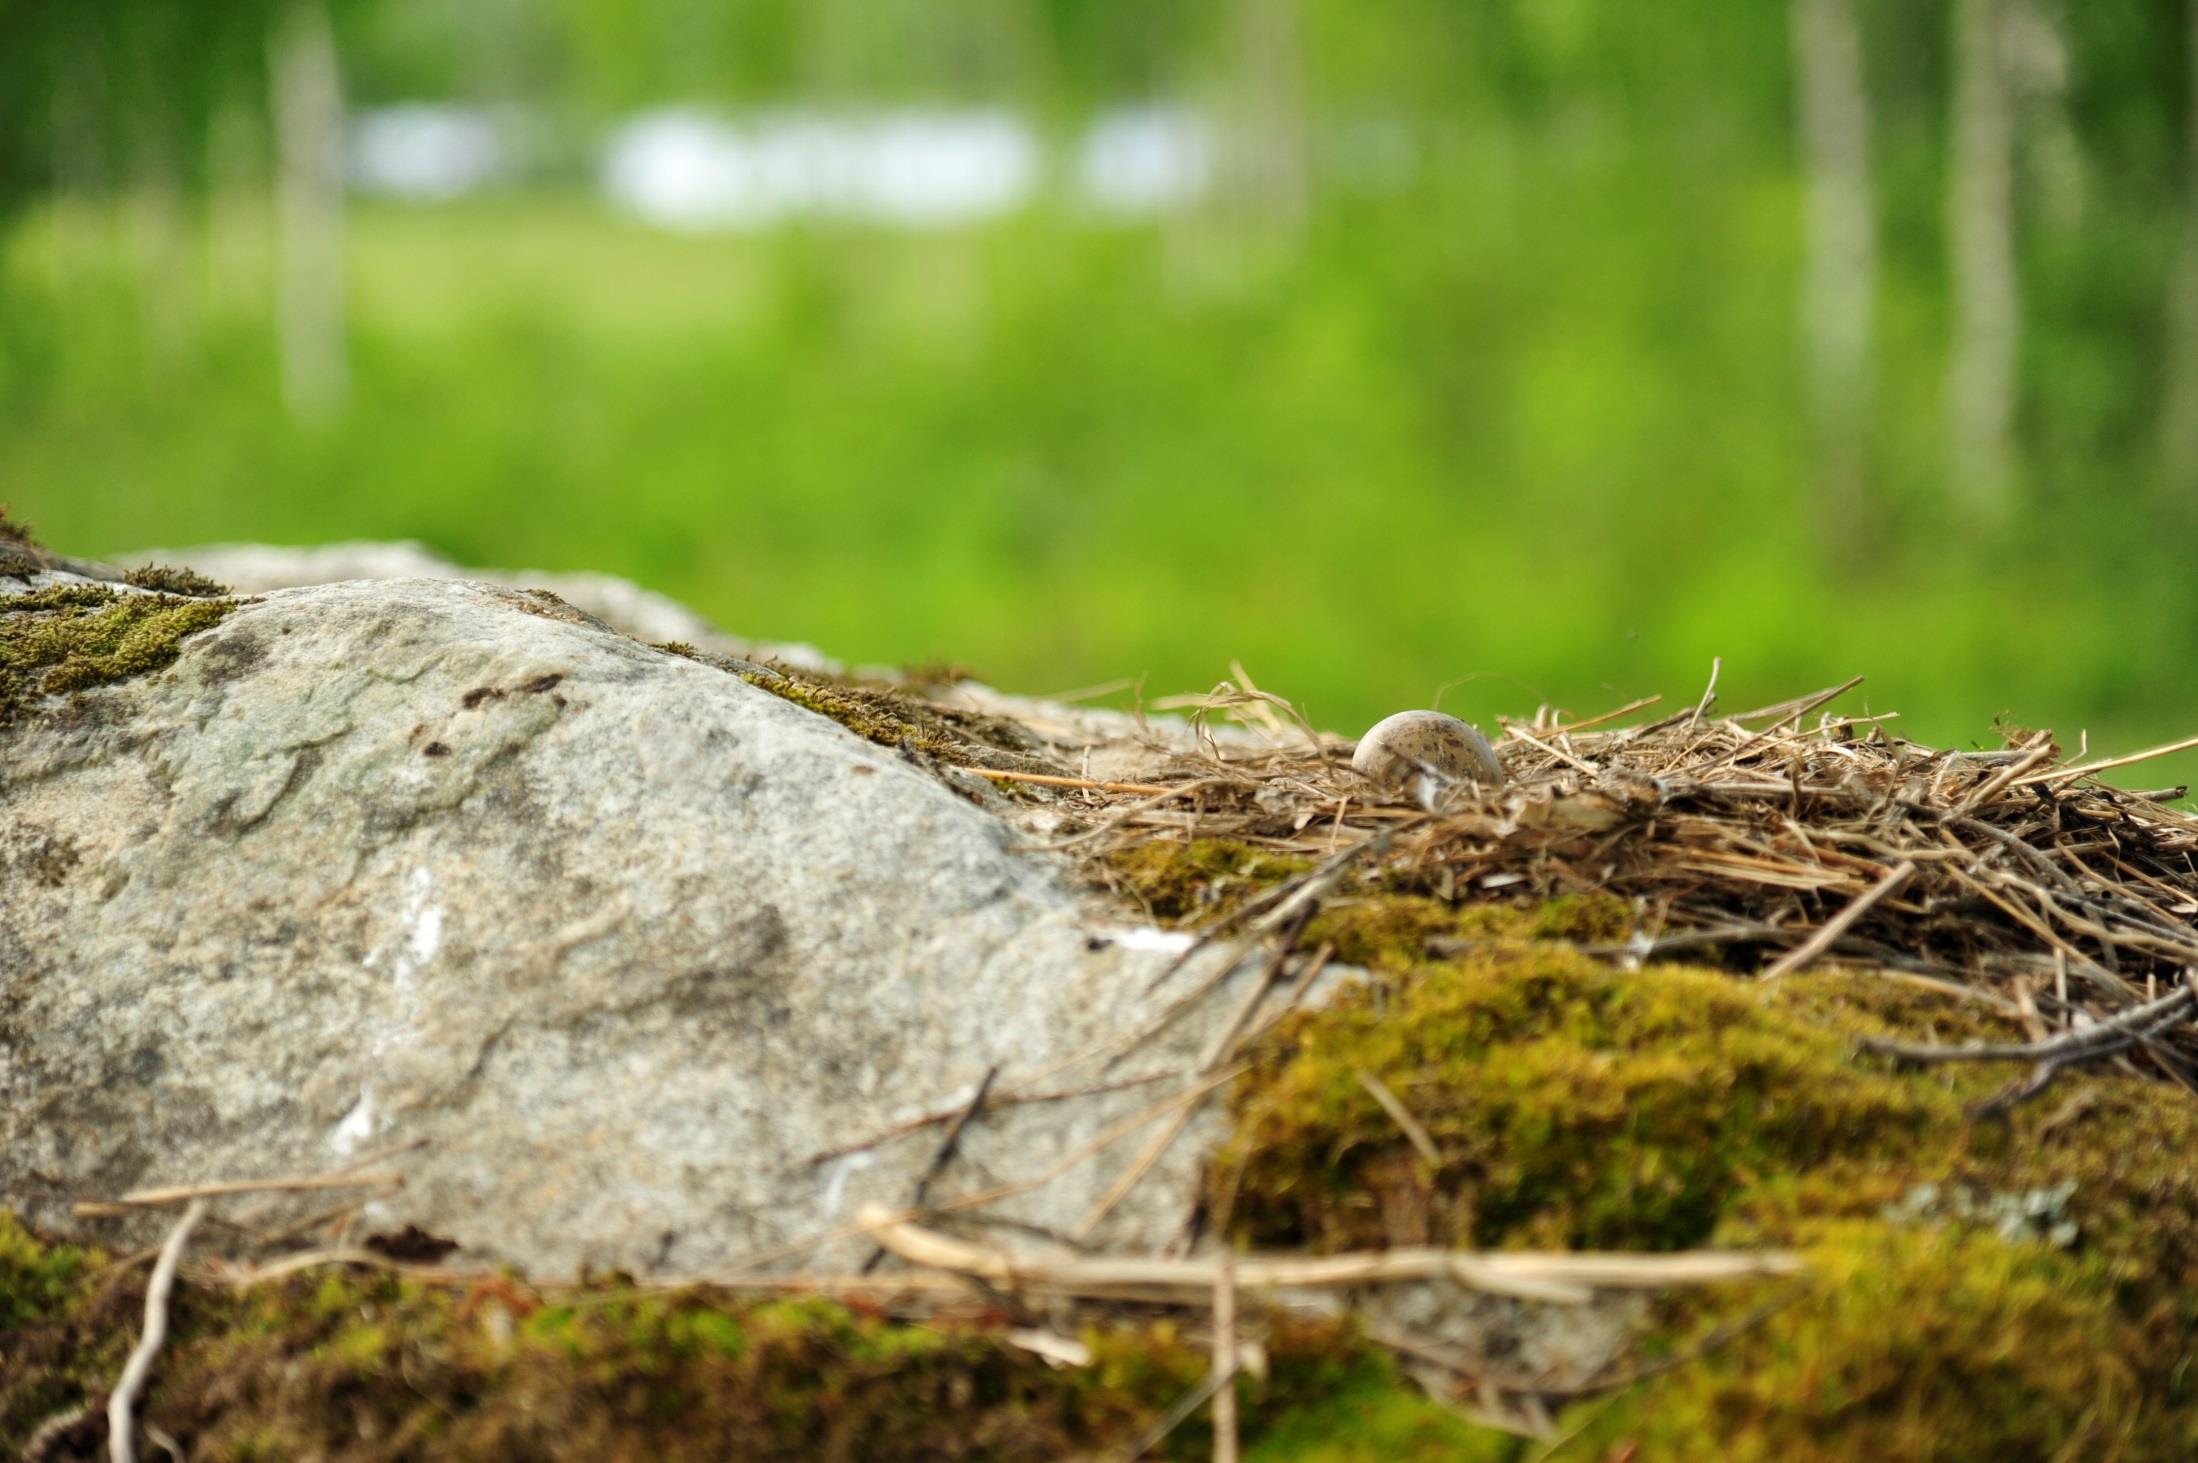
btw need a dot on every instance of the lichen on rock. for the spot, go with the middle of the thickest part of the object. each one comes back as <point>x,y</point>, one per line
<point>171,579</point>
<point>71,637</point>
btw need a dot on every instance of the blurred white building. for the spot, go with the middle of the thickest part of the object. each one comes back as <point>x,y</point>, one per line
<point>424,151</point>
<point>1144,160</point>
<point>912,169</point>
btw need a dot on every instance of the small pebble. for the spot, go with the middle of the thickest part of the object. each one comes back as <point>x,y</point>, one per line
<point>1413,747</point>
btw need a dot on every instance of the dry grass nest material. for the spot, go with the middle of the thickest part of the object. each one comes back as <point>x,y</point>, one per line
<point>1766,840</point>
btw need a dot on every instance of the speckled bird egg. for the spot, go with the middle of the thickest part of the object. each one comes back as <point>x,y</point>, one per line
<point>1401,750</point>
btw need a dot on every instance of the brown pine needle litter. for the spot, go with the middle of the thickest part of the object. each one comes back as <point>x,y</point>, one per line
<point>1768,840</point>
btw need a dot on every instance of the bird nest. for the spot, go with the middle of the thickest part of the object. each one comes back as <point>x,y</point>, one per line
<point>1765,841</point>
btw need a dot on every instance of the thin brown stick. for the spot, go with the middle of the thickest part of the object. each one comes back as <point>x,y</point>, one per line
<point>2040,748</point>
<point>1541,746</point>
<point>1552,1277</point>
<point>1185,1406</point>
<point>1194,1093</point>
<point>1304,982</point>
<point>1715,1341</point>
<point>2072,774</point>
<point>161,1198</point>
<point>121,1426</point>
<point>2170,1007</point>
<point>1709,695</point>
<point>1842,922</point>
<point>1132,1176</point>
<point>943,1155</point>
<point>1807,705</point>
<point>1004,1099</point>
<point>1048,779</point>
<point>1224,1364</point>
<point>1401,1116</point>
<point>1609,716</point>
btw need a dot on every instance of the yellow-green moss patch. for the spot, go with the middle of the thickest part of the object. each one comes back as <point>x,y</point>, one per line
<point>1191,883</point>
<point>894,718</point>
<point>1573,1104</point>
<point>20,555</point>
<point>168,579</point>
<point>1921,1344</point>
<point>72,637</point>
<point>1199,880</point>
<point>364,1366</point>
<point>1977,1290</point>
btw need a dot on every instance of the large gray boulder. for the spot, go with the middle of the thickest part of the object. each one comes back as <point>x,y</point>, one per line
<point>620,942</point>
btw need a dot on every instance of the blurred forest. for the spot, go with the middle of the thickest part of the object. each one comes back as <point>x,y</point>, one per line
<point>1518,349</point>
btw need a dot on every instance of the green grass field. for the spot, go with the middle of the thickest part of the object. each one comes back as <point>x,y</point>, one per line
<point>1526,436</point>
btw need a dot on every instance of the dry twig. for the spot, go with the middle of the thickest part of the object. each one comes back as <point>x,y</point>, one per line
<point>121,1426</point>
<point>1563,1278</point>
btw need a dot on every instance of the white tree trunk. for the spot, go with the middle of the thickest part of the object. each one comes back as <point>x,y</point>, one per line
<point>158,227</point>
<point>306,90</point>
<point>1839,278</point>
<point>2179,411</point>
<point>1980,229</point>
<point>1274,107</point>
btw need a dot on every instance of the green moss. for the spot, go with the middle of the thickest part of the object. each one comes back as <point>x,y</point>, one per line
<point>364,1366</point>
<point>1921,1344</point>
<point>54,1351</point>
<point>165,579</point>
<point>876,716</point>
<point>20,555</point>
<point>895,718</point>
<point>1193,882</point>
<point>1380,1420</point>
<point>1394,924</point>
<point>37,1281</point>
<point>72,637</point>
<point>1398,931</point>
<point>1575,1104</point>
<point>12,532</point>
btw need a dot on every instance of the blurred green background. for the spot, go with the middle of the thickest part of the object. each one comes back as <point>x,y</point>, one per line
<point>1511,350</point>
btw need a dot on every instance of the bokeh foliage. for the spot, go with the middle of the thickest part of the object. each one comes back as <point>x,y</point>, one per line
<point>1530,410</point>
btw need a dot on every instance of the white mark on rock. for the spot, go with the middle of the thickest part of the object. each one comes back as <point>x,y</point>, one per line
<point>1163,942</point>
<point>423,927</point>
<point>836,1176</point>
<point>357,1125</point>
<point>419,938</point>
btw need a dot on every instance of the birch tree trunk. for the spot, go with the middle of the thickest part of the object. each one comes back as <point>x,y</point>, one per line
<point>157,229</point>
<point>1980,230</point>
<point>1269,115</point>
<point>2179,411</point>
<point>1839,276</point>
<point>307,100</point>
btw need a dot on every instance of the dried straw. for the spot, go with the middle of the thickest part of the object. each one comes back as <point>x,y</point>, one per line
<point>1770,840</point>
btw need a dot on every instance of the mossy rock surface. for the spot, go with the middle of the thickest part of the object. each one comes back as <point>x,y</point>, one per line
<point>363,1365</point>
<point>1195,882</point>
<point>1977,1289</point>
<point>897,717</point>
<point>72,637</point>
